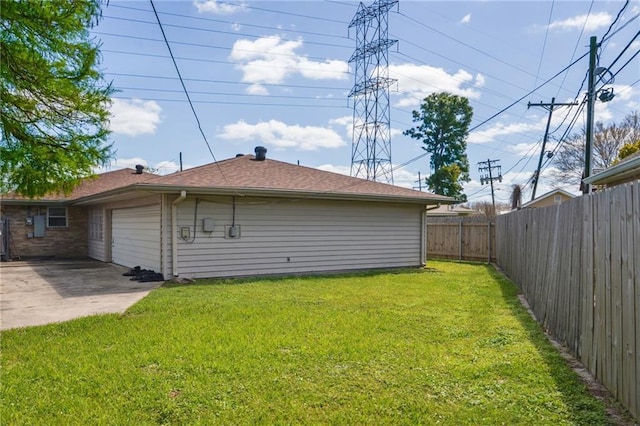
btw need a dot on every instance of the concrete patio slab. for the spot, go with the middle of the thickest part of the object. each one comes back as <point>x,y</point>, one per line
<point>44,291</point>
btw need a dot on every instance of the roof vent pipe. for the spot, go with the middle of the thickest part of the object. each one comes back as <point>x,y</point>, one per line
<point>139,169</point>
<point>261,153</point>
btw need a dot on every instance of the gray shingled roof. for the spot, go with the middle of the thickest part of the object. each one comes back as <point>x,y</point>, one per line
<point>244,175</point>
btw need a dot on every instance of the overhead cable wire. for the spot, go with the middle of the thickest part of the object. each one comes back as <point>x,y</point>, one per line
<point>184,87</point>
<point>208,46</point>
<point>544,43</point>
<point>243,24</point>
<point>279,12</point>
<point>489,55</point>
<point>575,49</point>
<point>233,33</point>
<point>213,61</point>
<point>196,92</point>
<point>204,80</point>
<point>226,102</point>
<point>604,37</point>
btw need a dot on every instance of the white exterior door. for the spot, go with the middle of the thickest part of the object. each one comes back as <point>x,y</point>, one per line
<point>135,236</point>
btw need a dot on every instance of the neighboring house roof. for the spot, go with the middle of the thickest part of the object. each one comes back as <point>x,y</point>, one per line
<point>102,182</point>
<point>244,175</point>
<point>451,210</point>
<point>626,170</point>
<point>549,194</point>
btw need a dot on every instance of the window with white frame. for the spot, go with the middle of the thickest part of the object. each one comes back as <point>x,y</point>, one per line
<point>95,224</point>
<point>557,199</point>
<point>56,217</point>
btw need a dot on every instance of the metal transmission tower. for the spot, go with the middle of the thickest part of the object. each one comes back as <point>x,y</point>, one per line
<point>371,147</point>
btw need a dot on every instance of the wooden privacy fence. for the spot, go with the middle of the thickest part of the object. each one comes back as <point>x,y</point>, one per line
<point>461,238</point>
<point>578,265</point>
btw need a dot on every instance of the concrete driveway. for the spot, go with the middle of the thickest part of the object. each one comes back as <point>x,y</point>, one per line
<point>45,291</point>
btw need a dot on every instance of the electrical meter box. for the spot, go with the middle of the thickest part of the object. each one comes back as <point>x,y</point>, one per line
<point>207,224</point>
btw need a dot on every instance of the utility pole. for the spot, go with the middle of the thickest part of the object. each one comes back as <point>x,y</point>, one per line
<point>487,176</point>
<point>419,182</point>
<point>588,151</point>
<point>553,103</point>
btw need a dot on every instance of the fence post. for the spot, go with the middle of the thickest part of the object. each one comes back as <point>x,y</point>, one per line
<point>460,232</point>
<point>489,241</point>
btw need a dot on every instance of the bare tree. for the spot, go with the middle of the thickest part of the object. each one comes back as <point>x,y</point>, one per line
<point>607,141</point>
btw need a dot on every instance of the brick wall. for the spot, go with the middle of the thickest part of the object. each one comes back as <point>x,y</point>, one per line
<point>57,242</point>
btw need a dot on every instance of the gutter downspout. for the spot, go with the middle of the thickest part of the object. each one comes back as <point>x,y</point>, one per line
<point>174,231</point>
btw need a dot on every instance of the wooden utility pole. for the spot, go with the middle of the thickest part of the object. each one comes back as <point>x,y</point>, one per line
<point>588,151</point>
<point>488,167</point>
<point>419,182</point>
<point>553,103</point>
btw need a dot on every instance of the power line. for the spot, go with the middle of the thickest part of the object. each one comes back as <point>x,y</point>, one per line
<point>186,92</point>
<point>196,92</point>
<point>203,80</point>
<point>140,21</point>
<point>244,24</point>
<point>182,58</point>
<point>225,102</point>
<point>614,21</point>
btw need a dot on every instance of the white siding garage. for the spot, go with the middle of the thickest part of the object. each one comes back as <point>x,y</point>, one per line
<point>297,236</point>
<point>135,236</point>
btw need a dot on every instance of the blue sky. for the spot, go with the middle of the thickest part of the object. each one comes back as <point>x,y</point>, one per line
<point>277,74</point>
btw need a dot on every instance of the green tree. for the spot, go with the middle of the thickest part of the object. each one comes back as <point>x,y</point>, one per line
<point>628,149</point>
<point>443,126</point>
<point>54,103</point>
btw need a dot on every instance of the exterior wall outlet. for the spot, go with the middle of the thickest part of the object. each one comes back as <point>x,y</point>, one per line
<point>185,233</point>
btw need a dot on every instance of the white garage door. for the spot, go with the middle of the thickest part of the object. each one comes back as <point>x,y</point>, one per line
<point>136,237</point>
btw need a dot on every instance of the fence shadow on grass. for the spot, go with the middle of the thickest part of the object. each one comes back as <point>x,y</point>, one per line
<point>584,408</point>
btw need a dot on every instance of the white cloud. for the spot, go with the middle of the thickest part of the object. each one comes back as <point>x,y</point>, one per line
<point>161,168</point>
<point>236,27</point>
<point>281,135</point>
<point>271,60</point>
<point>401,177</point>
<point>500,129</point>
<point>590,22</point>
<point>466,19</point>
<point>419,81</point>
<point>218,7</point>
<point>524,149</point>
<point>134,117</point>
<point>480,80</point>
<point>257,89</point>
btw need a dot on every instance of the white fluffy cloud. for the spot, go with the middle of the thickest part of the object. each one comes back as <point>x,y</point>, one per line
<point>134,117</point>
<point>270,60</point>
<point>217,7</point>
<point>590,22</point>
<point>281,135</point>
<point>401,177</point>
<point>161,168</point>
<point>501,129</point>
<point>466,19</point>
<point>419,81</point>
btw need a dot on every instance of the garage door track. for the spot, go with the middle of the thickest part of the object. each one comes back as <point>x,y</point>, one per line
<point>44,291</point>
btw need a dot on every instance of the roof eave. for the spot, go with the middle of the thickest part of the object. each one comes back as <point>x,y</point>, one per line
<point>619,171</point>
<point>265,192</point>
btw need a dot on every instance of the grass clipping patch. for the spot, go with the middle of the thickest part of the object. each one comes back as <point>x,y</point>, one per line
<point>448,345</point>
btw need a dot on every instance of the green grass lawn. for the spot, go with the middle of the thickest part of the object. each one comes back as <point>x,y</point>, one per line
<point>447,345</point>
